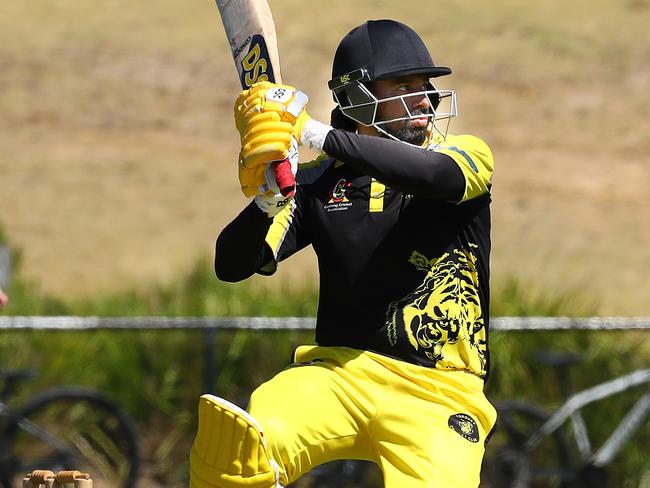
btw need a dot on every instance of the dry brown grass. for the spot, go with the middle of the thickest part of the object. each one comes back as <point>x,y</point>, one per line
<point>117,144</point>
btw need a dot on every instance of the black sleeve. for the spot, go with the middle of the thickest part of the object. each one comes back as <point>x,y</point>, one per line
<point>241,248</point>
<point>408,169</point>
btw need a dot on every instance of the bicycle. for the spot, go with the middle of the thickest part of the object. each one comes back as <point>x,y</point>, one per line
<point>66,428</point>
<point>535,448</point>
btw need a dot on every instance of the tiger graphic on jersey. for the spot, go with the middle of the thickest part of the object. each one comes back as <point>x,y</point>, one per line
<point>442,317</point>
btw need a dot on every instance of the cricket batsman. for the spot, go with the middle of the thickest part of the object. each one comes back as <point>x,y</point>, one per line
<point>397,211</point>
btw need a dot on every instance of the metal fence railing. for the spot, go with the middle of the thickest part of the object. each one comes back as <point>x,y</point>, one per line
<point>211,325</point>
<point>295,323</point>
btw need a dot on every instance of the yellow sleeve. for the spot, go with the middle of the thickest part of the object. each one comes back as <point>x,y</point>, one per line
<point>288,233</point>
<point>279,230</point>
<point>474,158</point>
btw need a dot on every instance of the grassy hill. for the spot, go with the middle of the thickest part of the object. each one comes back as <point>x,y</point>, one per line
<point>118,147</point>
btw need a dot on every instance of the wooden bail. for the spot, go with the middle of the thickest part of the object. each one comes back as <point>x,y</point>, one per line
<point>74,478</point>
<point>38,478</point>
<point>44,478</point>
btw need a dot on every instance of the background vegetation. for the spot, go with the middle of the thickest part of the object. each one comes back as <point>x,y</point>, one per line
<point>158,375</point>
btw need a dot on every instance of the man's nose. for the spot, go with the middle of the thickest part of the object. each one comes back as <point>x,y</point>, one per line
<point>421,102</point>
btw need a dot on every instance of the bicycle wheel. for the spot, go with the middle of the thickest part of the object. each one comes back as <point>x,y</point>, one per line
<point>508,464</point>
<point>74,428</point>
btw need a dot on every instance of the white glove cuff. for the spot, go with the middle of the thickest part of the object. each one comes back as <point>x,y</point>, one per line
<point>314,133</point>
<point>271,206</point>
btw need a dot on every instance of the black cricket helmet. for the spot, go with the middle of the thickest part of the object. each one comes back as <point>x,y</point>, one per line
<point>375,50</point>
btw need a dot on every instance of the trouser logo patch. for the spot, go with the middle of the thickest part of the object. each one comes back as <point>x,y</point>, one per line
<point>464,425</point>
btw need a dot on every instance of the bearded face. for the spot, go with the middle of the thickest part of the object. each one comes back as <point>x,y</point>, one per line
<point>403,98</point>
<point>405,131</point>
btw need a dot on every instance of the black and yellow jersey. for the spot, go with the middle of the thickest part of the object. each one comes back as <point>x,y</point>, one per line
<point>402,236</point>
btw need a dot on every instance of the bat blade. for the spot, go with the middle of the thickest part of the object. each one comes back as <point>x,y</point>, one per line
<point>251,34</point>
<point>250,30</point>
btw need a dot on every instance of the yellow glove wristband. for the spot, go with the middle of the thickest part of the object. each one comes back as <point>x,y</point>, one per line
<point>299,125</point>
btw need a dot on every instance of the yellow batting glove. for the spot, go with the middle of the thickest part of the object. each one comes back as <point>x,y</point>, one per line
<point>260,180</point>
<point>299,126</point>
<point>250,179</point>
<point>264,116</point>
<point>265,139</point>
<point>264,96</point>
<point>280,103</point>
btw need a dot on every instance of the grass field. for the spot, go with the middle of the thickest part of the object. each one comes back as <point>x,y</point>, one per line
<point>118,147</point>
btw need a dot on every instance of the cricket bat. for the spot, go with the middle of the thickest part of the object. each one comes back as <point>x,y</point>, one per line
<point>251,33</point>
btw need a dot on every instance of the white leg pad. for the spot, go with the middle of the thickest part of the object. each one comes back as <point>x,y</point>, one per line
<point>229,450</point>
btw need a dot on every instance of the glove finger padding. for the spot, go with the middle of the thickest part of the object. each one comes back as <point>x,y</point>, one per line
<point>264,138</point>
<point>260,179</point>
<point>289,104</point>
<point>269,199</point>
<point>263,131</point>
<point>253,180</point>
<point>263,154</point>
<point>269,133</point>
<point>252,117</point>
<point>267,107</point>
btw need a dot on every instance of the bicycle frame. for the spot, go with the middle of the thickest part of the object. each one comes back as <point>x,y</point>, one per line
<point>571,410</point>
<point>40,435</point>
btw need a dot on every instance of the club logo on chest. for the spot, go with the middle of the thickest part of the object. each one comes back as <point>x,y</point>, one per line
<point>338,196</point>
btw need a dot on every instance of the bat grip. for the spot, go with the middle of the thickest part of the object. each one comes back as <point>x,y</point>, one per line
<point>284,177</point>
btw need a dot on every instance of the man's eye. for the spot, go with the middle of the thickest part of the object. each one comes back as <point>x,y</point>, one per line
<point>408,88</point>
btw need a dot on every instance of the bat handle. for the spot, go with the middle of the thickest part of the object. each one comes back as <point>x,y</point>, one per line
<point>284,177</point>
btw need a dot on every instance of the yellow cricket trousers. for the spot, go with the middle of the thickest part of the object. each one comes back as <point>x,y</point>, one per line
<point>424,427</point>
